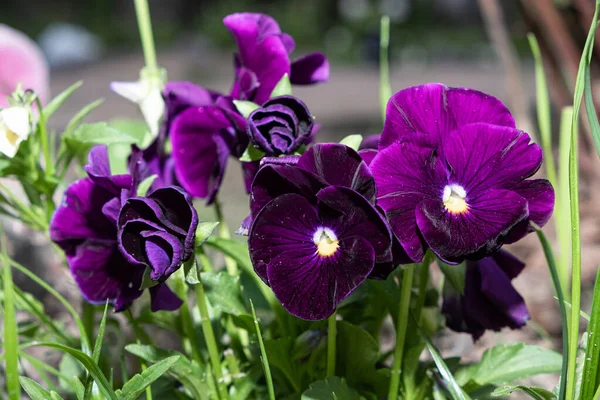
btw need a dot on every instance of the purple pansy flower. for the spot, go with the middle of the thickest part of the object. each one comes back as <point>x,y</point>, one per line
<point>489,300</point>
<point>315,232</point>
<point>280,126</point>
<point>86,227</point>
<point>263,58</point>
<point>452,183</point>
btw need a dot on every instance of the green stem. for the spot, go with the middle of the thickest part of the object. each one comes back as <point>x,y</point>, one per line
<point>331,342</point>
<point>423,280</point>
<point>188,328</point>
<point>145,25</point>
<point>263,356</point>
<point>230,264</point>
<point>50,166</point>
<point>209,337</point>
<point>139,333</point>
<point>385,89</point>
<point>401,323</point>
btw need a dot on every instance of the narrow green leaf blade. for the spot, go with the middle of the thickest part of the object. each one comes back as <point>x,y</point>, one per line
<point>263,356</point>
<point>591,370</point>
<point>56,102</point>
<point>245,107</point>
<point>78,387</point>
<point>352,141</point>
<point>144,185</point>
<point>536,393</point>
<point>11,339</point>
<point>283,87</point>
<point>96,353</point>
<point>33,389</point>
<point>76,120</point>
<point>331,388</point>
<point>136,385</point>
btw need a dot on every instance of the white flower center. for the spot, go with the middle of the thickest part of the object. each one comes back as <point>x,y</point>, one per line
<point>326,241</point>
<point>454,199</point>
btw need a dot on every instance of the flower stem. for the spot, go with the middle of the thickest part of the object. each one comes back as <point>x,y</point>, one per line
<point>331,342</point>
<point>145,25</point>
<point>209,337</point>
<point>401,323</point>
<point>230,264</point>
<point>139,333</point>
<point>188,328</point>
<point>385,89</point>
<point>423,280</point>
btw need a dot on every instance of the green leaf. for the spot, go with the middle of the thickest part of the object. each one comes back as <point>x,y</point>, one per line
<point>332,388</point>
<point>76,120</point>
<point>263,355</point>
<point>450,381</point>
<point>533,392</point>
<point>133,127</point>
<point>144,186</point>
<point>55,396</point>
<point>184,370</point>
<point>245,107</point>
<point>204,231</point>
<point>78,388</point>
<point>591,370</point>
<point>147,282</point>
<point>56,102</point>
<point>34,390</point>
<point>506,363</point>
<point>352,141</point>
<point>251,154</point>
<point>283,87</point>
<point>11,339</point>
<point>87,362</point>
<point>136,385</point>
<point>191,271</point>
<point>96,352</point>
<point>102,133</point>
<point>455,274</point>
<point>224,293</point>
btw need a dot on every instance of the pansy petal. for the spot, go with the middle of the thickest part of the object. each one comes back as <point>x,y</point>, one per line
<point>482,156</point>
<point>273,180</point>
<point>130,242</point>
<point>249,171</point>
<point>178,209</point>
<point>539,194</point>
<point>180,95</point>
<point>467,106</point>
<point>286,223</point>
<point>310,286</point>
<point>370,142</point>
<point>367,155</point>
<point>348,213</point>
<point>164,253</point>
<point>508,263</point>
<point>452,237</point>
<point>163,298</point>
<point>98,169</point>
<point>309,69</point>
<point>340,165</point>
<point>199,150</point>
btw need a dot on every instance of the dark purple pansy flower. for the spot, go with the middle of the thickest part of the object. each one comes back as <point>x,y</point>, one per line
<point>461,192</point>
<point>489,301</point>
<point>85,227</point>
<point>315,232</point>
<point>263,58</point>
<point>280,126</point>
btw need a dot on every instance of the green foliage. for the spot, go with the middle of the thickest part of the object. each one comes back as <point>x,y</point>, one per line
<point>36,391</point>
<point>251,154</point>
<point>223,291</point>
<point>58,101</point>
<point>352,141</point>
<point>245,107</point>
<point>536,393</point>
<point>139,382</point>
<point>283,87</point>
<point>455,275</point>
<point>11,339</point>
<point>144,186</point>
<point>590,379</point>
<point>204,231</point>
<point>506,363</point>
<point>332,388</point>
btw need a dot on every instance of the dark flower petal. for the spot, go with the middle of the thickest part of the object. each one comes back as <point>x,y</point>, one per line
<point>309,69</point>
<point>453,237</point>
<point>370,142</point>
<point>181,95</point>
<point>348,214</point>
<point>131,242</point>
<point>310,287</point>
<point>200,138</point>
<point>164,253</point>
<point>163,299</point>
<point>367,155</point>
<point>286,223</point>
<point>339,165</point>
<point>249,170</point>
<point>149,210</point>
<point>436,109</point>
<point>483,156</point>
<point>98,169</point>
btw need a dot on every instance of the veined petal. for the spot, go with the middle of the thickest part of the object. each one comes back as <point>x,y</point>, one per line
<point>467,106</point>
<point>453,237</point>
<point>309,69</point>
<point>310,287</point>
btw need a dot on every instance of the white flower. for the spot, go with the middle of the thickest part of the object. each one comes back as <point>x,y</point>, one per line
<point>14,128</point>
<point>147,94</point>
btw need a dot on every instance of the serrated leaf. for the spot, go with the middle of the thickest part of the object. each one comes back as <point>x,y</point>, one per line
<point>184,370</point>
<point>204,231</point>
<point>136,385</point>
<point>223,292</point>
<point>352,141</point>
<point>245,107</point>
<point>251,154</point>
<point>505,363</point>
<point>144,186</point>
<point>33,389</point>
<point>455,275</point>
<point>283,87</point>
<point>332,388</point>
<point>533,392</point>
<point>56,102</point>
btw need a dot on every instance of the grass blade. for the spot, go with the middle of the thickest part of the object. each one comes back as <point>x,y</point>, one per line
<point>263,355</point>
<point>591,370</point>
<point>385,88</point>
<point>56,102</point>
<point>34,390</point>
<point>96,353</point>
<point>561,305</point>
<point>11,339</point>
<point>562,216</point>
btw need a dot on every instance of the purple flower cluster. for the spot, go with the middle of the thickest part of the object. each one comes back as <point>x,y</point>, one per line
<point>110,236</point>
<point>448,173</point>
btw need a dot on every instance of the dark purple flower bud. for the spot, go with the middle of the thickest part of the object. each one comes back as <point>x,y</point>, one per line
<point>280,126</point>
<point>158,231</point>
<point>489,302</point>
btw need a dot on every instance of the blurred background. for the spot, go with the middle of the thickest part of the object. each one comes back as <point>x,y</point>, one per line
<point>480,44</point>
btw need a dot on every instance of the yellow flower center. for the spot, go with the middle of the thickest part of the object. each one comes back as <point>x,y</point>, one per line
<point>454,199</point>
<point>326,241</point>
